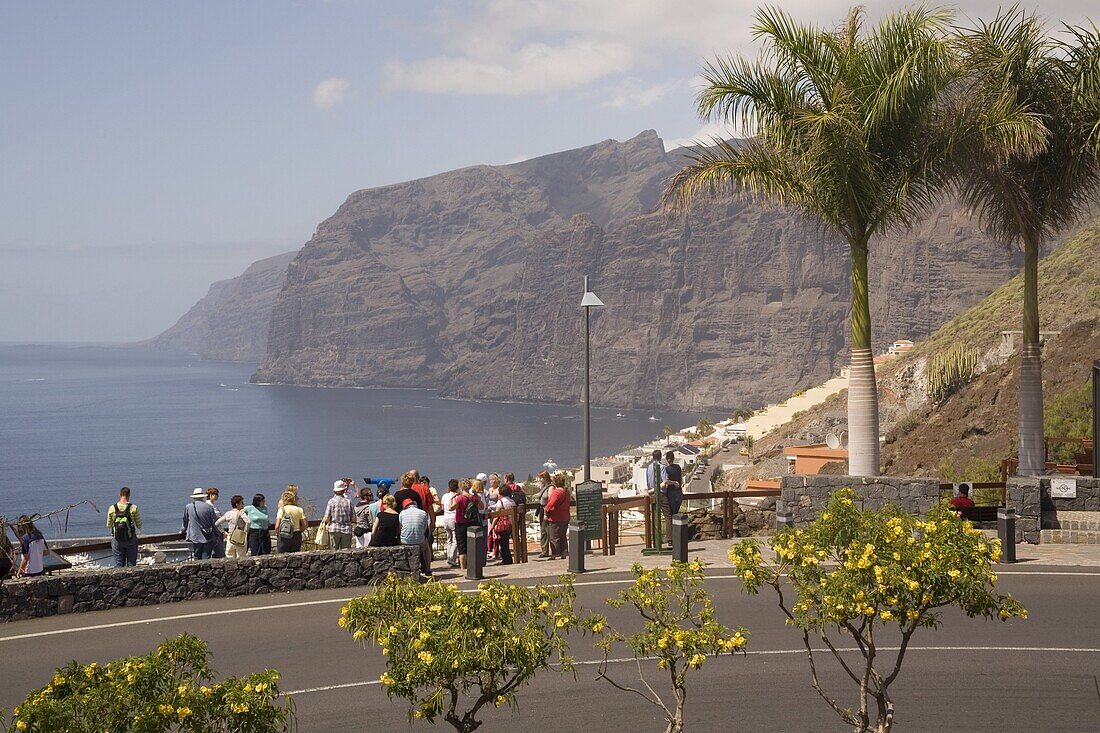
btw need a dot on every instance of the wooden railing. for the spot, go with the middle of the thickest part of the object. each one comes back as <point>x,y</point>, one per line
<point>610,524</point>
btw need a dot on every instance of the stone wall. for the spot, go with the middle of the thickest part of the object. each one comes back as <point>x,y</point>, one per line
<point>147,585</point>
<point>748,520</point>
<point>806,496</point>
<point>1036,509</point>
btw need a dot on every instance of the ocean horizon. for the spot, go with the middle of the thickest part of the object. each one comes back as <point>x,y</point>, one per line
<point>82,420</point>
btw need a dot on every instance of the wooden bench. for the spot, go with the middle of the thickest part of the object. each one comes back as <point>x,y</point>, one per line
<point>980,514</point>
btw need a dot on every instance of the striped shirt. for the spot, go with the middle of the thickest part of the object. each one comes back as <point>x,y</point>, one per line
<point>340,515</point>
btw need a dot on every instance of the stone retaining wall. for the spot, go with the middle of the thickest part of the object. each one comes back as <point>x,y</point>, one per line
<point>1030,497</point>
<point>806,496</point>
<point>147,585</point>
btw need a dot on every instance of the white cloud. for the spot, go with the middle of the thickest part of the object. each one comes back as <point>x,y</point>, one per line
<point>706,135</point>
<point>534,68</point>
<point>631,93</point>
<point>330,93</point>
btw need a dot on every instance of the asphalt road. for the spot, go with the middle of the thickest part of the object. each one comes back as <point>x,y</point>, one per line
<point>971,675</point>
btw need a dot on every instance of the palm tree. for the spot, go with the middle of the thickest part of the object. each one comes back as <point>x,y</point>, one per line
<point>845,131</point>
<point>1028,198</point>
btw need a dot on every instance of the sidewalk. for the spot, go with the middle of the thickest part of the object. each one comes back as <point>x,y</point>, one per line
<point>713,555</point>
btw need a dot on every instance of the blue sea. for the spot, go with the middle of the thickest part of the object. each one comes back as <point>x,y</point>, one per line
<point>78,422</point>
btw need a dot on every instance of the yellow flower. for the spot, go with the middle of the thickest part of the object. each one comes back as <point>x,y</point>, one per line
<point>662,642</point>
<point>343,622</point>
<point>166,709</point>
<point>697,660</point>
<point>424,635</point>
<point>912,615</point>
<point>598,627</point>
<point>886,615</point>
<point>206,690</point>
<point>182,689</point>
<point>183,712</point>
<point>501,699</point>
<point>21,725</point>
<point>418,714</point>
<point>359,635</point>
<point>58,679</point>
<point>385,651</point>
<point>953,574</point>
<point>425,657</point>
<point>260,687</point>
<point>385,679</point>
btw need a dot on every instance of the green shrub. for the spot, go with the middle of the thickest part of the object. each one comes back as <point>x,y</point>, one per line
<point>450,654</point>
<point>170,690</point>
<point>1068,415</point>
<point>852,572</point>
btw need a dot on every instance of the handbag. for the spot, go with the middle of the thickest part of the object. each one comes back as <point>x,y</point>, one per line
<point>239,535</point>
<point>321,538</point>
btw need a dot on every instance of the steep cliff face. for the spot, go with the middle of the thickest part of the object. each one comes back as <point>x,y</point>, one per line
<point>469,281</point>
<point>231,322</point>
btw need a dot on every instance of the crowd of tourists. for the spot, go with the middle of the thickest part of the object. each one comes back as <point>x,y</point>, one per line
<point>407,511</point>
<point>387,513</point>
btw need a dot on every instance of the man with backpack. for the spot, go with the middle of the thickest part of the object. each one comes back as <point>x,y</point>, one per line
<point>123,522</point>
<point>198,525</point>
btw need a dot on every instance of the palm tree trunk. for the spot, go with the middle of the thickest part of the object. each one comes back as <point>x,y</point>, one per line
<point>1032,451</point>
<point>863,446</point>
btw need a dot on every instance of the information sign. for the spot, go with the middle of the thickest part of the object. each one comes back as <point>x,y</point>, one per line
<point>589,503</point>
<point>1063,488</point>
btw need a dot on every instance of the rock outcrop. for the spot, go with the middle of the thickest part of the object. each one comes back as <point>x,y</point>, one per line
<point>469,281</point>
<point>231,321</point>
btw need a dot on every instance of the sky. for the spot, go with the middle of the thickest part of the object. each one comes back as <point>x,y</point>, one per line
<point>151,148</point>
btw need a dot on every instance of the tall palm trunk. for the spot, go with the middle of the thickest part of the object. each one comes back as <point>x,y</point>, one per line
<point>1032,450</point>
<point>863,447</point>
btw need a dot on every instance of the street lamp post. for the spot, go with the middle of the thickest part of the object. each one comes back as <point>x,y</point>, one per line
<point>588,302</point>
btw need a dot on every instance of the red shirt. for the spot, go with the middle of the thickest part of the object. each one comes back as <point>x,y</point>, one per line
<point>557,505</point>
<point>461,503</point>
<point>427,501</point>
<point>962,502</point>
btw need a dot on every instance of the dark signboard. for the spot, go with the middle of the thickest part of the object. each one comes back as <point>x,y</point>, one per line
<point>589,501</point>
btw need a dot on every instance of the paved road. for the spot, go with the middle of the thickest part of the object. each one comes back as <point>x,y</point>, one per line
<point>1040,674</point>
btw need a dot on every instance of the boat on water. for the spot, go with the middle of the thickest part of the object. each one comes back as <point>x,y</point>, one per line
<point>652,418</point>
<point>620,415</point>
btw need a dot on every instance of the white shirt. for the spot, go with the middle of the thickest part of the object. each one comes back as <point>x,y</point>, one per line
<point>35,551</point>
<point>447,501</point>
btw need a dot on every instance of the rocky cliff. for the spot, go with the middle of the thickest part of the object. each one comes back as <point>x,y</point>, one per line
<point>231,321</point>
<point>469,281</point>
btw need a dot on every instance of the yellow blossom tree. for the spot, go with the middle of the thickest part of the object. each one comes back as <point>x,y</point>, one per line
<point>679,631</point>
<point>856,573</point>
<point>451,654</point>
<point>170,690</point>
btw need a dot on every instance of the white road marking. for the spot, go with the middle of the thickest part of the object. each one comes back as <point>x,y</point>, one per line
<point>300,604</point>
<point>764,652</point>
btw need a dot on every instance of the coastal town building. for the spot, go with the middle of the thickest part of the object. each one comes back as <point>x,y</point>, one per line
<point>810,459</point>
<point>607,471</point>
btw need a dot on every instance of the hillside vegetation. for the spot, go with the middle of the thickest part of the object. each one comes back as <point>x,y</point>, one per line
<point>973,428</point>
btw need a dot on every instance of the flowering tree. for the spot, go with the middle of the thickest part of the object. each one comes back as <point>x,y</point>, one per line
<point>679,630</point>
<point>168,690</point>
<point>449,654</point>
<point>857,573</point>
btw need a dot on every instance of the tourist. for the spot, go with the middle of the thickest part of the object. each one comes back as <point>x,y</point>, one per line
<point>7,553</point>
<point>290,523</point>
<point>414,531</point>
<point>407,491</point>
<point>376,505</point>
<point>467,514</point>
<point>124,520</point>
<point>655,482</point>
<point>557,514</point>
<point>33,545</point>
<point>674,487</point>
<point>519,496</point>
<point>386,531</point>
<point>339,517</point>
<point>540,513</point>
<point>259,527</point>
<point>292,489</point>
<point>437,505</point>
<point>198,525</point>
<point>427,499</point>
<point>503,525</point>
<point>236,524</point>
<point>212,495</point>
<point>492,494</point>
<point>363,518</point>
<point>963,500</point>
<point>447,503</point>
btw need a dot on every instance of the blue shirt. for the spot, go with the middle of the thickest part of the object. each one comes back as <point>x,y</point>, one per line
<point>196,516</point>
<point>257,517</point>
<point>654,483</point>
<point>414,525</point>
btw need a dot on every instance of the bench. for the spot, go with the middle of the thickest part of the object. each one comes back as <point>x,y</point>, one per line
<point>980,514</point>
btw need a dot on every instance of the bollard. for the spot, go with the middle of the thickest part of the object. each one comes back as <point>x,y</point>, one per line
<point>783,517</point>
<point>1006,531</point>
<point>680,530</point>
<point>575,536</point>
<point>475,558</point>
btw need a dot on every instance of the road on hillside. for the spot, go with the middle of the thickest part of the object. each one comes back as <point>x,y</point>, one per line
<point>971,675</point>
